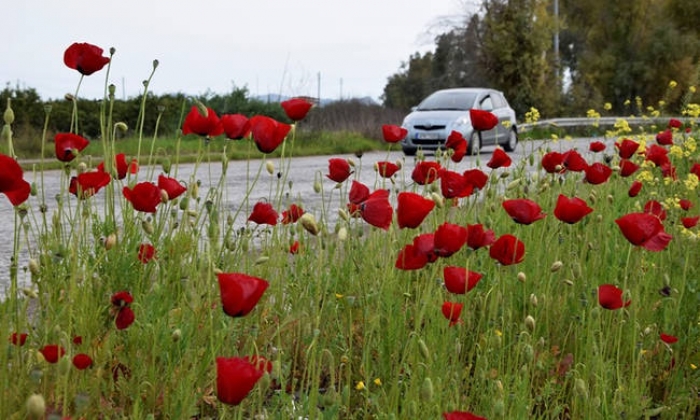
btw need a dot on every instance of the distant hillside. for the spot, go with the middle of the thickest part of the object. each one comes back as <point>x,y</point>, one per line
<point>274,97</point>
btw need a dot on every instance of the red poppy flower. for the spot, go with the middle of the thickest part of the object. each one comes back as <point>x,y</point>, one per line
<point>121,165</point>
<point>668,170</point>
<point>523,211</point>
<point>461,415</point>
<point>236,126</point>
<point>425,172</point>
<point>12,183</point>
<point>85,58</point>
<point>87,184</point>
<point>68,144</point>
<point>658,155</point>
<point>478,237</point>
<point>675,123</point>
<point>268,133</point>
<point>626,148</point>
<point>386,169</point>
<point>610,297</point>
<point>78,340</point>
<point>425,244</point>
<point>376,210</point>
<point>204,125</point>
<point>685,204</point>
<point>52,352</point>
<point>459,280</point>
<point>597,173</point>
<point>573,161</point>
<point>482,120</point>
<point>412,209</point>
<point>458,144</point>
<point>553,162</point>
<point>18,339</point>
<point>452,311</point>
<point>690,222</point>
<point>240,292</point>
<point>359,192</point>
<point>263,214</point>
<point>125,317</point>
<point>667,338</point>
<point>121,299</point>
<point>476,178</point>
<point>338,169</point>
<point>145,196</point>
<point>411,257</point>
<point>665,138</point>
<point>655,208</point>
<point>507,250</point>
<point>82,361</point>
<point>645,230</point>
<point>393,133</point>
<point>695,169</point>
<point>596,146</point>
<point>235,378</point>
<point>627,167</point>
<point>294,248</point>
<point>635,188</point>
<point>499,159</point>
<point>449,238</point>
<point>454,185</point>
<point>172,187</point>
<point>296,108</point>
<point>571,210</point>
<point>292,214</point>
<point>147,252</point>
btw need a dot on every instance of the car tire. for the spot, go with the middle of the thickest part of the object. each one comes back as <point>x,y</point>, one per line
<point>409,151</point>
<point>474,145</point>
<point>512,141</point>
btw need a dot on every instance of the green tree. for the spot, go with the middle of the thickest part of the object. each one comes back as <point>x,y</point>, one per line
<point>413,83</point>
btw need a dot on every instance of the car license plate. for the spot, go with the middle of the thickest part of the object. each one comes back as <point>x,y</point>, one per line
<point>427,136</point>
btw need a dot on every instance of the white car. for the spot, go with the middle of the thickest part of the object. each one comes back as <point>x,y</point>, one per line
<point>447,110</point>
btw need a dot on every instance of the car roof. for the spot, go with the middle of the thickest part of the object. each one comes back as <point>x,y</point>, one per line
<point>468,89</point>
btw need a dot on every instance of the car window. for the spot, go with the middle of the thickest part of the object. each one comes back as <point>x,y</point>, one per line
<point>448,100</point>
<point>498,101</point>
<point>486,104</point>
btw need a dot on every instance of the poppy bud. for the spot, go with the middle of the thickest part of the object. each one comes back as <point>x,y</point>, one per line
<point>399,163</point>
<point>580,388</point>
<point>6,132</point>
<point>69,97</point>
<point>438,199</point>
<point>522,278</point>
<point>528,352</point>
<point>343,215</point>
<point>610,199</point>
<point>533,299</point>
<point>166,165</point>
<point>423,349</point>
<point>112,50</point>
<point>29,293</point>
<point>648,330</point>
<point>667,280</point>
<point>147,227</point>
<point>82,166</point>
<point>64,365</point>
<point>342,234</point>
<point>568,282</point>
<point>317,187</point>
<point>194,190</point>
<point>262,260</point>
<point>513,184</point>
<point>176,335</point>
<point>426,390</point>
<point>155,64</point>
<point>121,126</point>
<point>529,320</point>
<point>9,115</point>
<point>308,221</point>
<point>556,266</point>
<point>499,387</point>
<point>36,406</point>
<point>202,109</point>
<point>34,267</point>
<point>505,174</point>
<point>270,167</point>
<point>33,189</point>
<point>112,90</point>
<point>351,162</point>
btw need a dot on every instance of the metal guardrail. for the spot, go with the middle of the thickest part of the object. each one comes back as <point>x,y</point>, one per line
<point>602,121</point>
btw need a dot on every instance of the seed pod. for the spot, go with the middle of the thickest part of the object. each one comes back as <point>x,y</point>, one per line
<point>556,266</point>
<point>530,321</point>
<point>36,406</point>
<point>426,390</point>
<point>522,278</point>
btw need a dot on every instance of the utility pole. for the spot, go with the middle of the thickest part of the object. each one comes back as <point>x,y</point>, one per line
<point>557,62</point>
<point>318,86</point>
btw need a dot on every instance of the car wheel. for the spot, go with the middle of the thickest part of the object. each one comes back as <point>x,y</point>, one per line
<point>474,145</point>
<point>408,151</point>
<point>512,142</point>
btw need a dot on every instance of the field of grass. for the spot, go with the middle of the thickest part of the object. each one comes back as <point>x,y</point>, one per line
<point>549,291</point>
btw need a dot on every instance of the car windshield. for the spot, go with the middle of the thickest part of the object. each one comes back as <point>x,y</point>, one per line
<point>448,100</point>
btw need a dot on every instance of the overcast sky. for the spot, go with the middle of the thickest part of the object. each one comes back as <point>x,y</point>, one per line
<point>268,46</point>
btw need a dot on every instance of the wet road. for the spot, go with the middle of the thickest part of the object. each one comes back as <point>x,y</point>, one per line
<point>295,185</point>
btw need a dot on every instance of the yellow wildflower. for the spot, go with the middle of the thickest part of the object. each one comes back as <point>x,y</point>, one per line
<point>645,177</point>
<point>692,89</point>
<point>676,151</point>
<point>691,182</point>
<point>499,333</point>
<point>360,386</point>
<point>692,366</point>
<point>532,116</point>
<point>672,84</point>
<point>607,106</point>
<point>377,382</point>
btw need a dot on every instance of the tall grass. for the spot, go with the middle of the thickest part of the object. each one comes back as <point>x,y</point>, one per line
<point>348,334</point>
